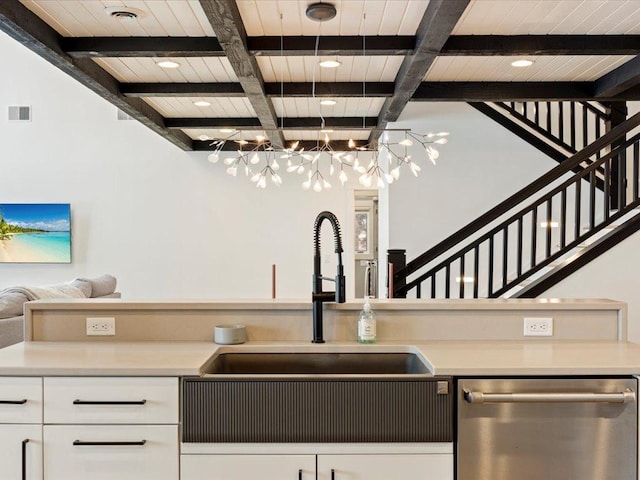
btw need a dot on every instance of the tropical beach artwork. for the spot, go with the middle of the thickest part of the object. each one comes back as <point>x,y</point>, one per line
<point>35,233</point>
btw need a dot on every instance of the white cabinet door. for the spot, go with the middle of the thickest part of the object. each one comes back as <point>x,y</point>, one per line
<point>21,452</point>
<point>104,452</point>
<point>20,400</point>
<point>385,467</point>
<point>248,467</point>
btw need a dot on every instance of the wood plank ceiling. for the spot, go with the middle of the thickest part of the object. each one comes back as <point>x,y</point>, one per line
<point>256,61</point>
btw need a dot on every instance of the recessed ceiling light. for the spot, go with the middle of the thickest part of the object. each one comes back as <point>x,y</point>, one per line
<point>328,102</point>
<point>204,137</point>
<point>168,64</point>
<point>330,64</point>
<point>201,103</point>
<point>326,130</point>
<point>521,63</point>
<point>227,130</point>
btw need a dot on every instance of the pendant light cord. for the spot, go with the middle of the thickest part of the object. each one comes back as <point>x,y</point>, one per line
<point>315,64</point>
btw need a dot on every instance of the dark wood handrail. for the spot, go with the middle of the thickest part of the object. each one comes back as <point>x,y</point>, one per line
<point>518,197</point>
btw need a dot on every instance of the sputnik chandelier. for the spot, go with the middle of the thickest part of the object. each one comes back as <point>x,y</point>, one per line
<point>258,159</point>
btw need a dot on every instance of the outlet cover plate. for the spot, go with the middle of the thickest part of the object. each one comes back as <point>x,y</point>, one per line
<point>538,327</point>
<point>101,326</point>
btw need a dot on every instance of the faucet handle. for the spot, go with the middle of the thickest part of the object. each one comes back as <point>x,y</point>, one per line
<point>341,295</point>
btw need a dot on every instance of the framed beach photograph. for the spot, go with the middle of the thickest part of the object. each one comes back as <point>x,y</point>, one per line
<point>35,233</point>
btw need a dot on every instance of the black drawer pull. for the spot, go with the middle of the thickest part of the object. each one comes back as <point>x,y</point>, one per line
<point>80,443</point>
<point>13,402</point>
<point>24,458</point>
<point>333,474</point>
<point>300,474</point>
<point>97,402</point>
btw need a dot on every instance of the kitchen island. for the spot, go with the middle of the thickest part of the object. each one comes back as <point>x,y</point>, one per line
<point>109,407</point>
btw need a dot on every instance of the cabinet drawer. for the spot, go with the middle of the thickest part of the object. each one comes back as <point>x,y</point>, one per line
<point>100,452</point>
<point>111,400</point>
<point>242,467</point>
<point>20,400</point>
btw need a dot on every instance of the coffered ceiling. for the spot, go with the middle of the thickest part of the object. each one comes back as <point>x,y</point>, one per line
<point>256,62</point>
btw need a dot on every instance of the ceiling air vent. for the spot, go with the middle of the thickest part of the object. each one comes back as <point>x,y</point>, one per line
<point>123,13</point>
<point>19,114</point>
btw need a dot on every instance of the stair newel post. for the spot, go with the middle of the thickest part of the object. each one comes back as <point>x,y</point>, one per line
<point>616,113</point>
<point>396,276</point>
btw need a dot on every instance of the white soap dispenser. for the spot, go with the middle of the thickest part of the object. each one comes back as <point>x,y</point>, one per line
<point>367,323</point>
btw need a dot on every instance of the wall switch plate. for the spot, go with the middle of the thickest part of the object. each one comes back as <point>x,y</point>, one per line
<point>538,327</point>
<point>101,326</point>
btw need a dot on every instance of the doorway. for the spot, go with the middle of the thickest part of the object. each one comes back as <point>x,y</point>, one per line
<point>366,243</point>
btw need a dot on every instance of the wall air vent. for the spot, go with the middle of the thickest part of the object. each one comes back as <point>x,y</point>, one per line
<point>124,13</point>
<point>124,116</point>
<point>19,114</point>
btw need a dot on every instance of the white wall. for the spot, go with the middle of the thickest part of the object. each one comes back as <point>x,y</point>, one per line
<point>167,223</point>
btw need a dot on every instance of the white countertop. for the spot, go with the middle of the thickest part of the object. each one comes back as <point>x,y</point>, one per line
<point>532,357</point>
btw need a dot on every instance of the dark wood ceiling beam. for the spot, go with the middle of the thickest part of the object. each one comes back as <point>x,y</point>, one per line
<point>345,45</point>
<point>230,146</point>
<point>225,90</point>
<point>294,123</point>
<point>27,28</point>
<point>295,89</point>
<point>502,91</point>
<point>618,81</point>
<point>504,45</point>
<point>225,19</point>
<point>88,47</point>
<point>331,89</point>
<point>439,19</point>
<point>352,45</point>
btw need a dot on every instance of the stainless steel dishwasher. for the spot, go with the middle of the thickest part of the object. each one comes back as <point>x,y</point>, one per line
<point>547,428</point>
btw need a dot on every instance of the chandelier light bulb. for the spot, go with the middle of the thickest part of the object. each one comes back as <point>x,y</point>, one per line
<point>214,157</point>
<point>365,180</point>
<point>306,184</point>
<point>300,169</point>
<point>343,177</point>
<point>331,170</point>
<point>380,182</point>
<point>275,165</point>
<point>352,144</point>
<point>441,141</point>
<point>395,173</point>
<point>406,142</point>
<point>317,186</point>
<point>326,184</point>
<point>262,183</point>
<point>232,171</point>
<point>415,168</point>
<point>229,160</point>
<point>389,178</point>
<point>256,177</point>
<point>254,159</point>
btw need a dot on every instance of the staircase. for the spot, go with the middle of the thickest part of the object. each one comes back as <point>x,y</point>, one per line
<point>541,234</point>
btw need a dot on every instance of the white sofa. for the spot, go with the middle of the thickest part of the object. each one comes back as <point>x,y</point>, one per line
<point>12,301</point>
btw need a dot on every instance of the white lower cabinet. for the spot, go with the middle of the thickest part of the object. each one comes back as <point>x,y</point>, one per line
<point>21,452</point>
<point>101,452</point>
<point>329,467</point>
<point>385,467</point>
<point>244,467</point>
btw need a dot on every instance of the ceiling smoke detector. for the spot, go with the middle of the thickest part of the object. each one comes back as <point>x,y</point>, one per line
<point>321,12</point>
<point>123,13</point>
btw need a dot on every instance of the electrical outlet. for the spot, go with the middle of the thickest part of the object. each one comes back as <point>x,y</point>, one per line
<point>101,326</point>
<point>538,327</point>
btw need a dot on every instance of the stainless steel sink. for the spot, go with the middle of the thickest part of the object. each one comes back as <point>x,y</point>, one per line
<point>317,363</point>
<point>329,395</point>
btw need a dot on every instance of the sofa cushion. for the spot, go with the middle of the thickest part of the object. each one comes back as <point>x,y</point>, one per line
<point>102,285</point>
<point>11,304</point>
<point>83,285</point>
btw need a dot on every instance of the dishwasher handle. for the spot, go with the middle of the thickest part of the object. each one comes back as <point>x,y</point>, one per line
<point>626,396</point>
